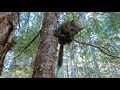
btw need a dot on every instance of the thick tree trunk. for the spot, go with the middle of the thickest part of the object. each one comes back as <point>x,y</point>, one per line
<point>8,24</point>
<point>44,64</point>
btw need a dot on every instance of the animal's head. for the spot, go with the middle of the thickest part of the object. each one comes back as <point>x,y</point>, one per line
<point>72,28</point>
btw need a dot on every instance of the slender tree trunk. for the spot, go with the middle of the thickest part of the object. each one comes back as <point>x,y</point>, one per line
<point>44,65</point>
<point>84,69</point>
<point>73,69</point>
<point>67,67</point>
<point>96,67</point>
<point>113,70</point>
<point>8,24</point>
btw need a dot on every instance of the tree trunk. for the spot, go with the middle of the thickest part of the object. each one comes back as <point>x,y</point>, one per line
<point>73,69</point>
<point>44,64</point>
<point>85,75</point>
<point>67,67</point>
<point>95,64</point>
<point>8,24</point>
<point>113,70</point>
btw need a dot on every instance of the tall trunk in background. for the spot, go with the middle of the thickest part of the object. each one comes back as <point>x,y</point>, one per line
<point>67,67</point>
<point>73,69</point>
<point>8,24</point>
<point>44,64</point>
<point>85,75</point>
<point>95,64</point>
<point>113,70</point>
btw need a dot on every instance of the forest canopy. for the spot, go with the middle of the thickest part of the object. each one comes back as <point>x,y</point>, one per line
<point>93,53</point>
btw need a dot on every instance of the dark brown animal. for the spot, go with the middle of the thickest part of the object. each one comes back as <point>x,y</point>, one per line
<point>68,29</point>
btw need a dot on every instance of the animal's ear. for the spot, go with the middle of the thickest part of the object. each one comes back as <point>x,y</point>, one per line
<point>72,22</point>
<point>81,29</point>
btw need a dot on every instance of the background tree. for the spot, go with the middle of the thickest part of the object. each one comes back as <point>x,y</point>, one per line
<point>21,66</point>
<point>94,53</point>
<point>8,24</point>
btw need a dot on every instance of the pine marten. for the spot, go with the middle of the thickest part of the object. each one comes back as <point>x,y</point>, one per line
<point>69,29</point>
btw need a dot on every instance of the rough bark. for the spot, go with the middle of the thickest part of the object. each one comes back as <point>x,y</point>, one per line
<point>44,64</point>
<point>8,24</point>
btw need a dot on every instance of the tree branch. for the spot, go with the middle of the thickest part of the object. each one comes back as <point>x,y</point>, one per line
<point>98,48</point>
<point>28,44</point>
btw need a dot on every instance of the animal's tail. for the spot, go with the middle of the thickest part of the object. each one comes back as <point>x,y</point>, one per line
<point>60,58</point>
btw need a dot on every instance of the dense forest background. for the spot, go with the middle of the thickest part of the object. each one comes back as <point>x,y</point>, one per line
<point>95,55</point>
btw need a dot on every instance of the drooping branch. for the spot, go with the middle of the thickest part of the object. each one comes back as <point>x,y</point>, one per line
<point>63,36</point>
<point>28,44</point>
<point>84,43</point>
<point>99,47</point>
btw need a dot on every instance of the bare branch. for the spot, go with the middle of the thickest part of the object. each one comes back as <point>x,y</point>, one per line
<point>28,44</point>
<point>100,48</point>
